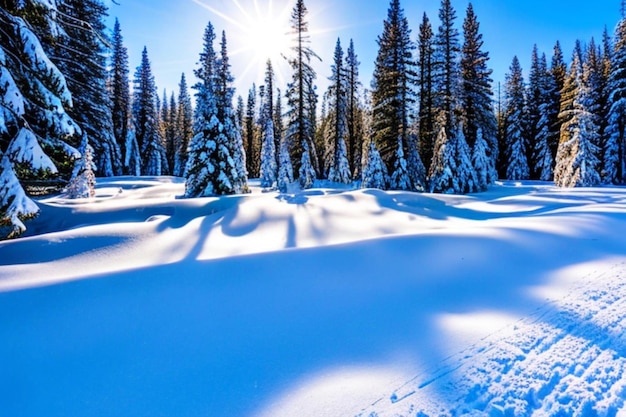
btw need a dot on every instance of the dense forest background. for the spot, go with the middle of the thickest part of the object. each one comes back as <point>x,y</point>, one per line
<point>428,122</point>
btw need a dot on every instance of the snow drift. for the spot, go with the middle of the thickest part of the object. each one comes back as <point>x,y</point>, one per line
<point>327,302</point>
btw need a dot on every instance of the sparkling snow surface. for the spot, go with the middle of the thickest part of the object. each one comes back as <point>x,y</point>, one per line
<point>327,302</point>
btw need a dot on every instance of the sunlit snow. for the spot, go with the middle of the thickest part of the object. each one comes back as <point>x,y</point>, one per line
<point>325,302</point>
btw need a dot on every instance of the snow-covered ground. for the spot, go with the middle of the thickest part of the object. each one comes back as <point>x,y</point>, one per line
<point>328,302</point>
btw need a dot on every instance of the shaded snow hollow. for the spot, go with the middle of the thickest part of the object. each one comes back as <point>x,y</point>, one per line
<point>327,302</point>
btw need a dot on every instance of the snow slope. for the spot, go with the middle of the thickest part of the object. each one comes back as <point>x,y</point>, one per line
<point>328,302</point>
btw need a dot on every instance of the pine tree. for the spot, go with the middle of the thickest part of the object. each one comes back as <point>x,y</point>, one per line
<point>558,70</point>
<point>476,82</point>
<point>542,154</point>
<point>170,134</point>
<point>216,161</point>
<point>269,166</point>
<point>184,127</point>
<point>301,99</point>
<point>119,93</point>
<point>285,167</point>
<point>477,94</point>
<point>441,175</point>
<point>337,132</point>
<point>374,169</point>
<point>204,175</point>
<point>226,114</point>
<point>29,85</point>
<point>577,163</point>
<point>427,112</point>
<point>80,54</point>
<point>446,67</point>
<point>393,93</point>
<point>481,162</point>
<point>251,134</point>
<point>83,181</point>
<point>146,119</point>
<point>604,71</point>
<point>452,171</point>
<point>515,120</point>
<point>614,170</point>
<point>535,97</point>
<point>33,101</point>
<point>354,111</point>
<point>271,108</point>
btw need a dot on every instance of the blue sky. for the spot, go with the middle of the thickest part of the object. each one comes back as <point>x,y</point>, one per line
<point>172,30</point>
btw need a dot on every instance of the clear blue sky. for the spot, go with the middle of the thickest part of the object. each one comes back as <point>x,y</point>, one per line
<point>172,30</point>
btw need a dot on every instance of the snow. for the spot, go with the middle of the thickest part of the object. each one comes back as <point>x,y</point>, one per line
<point>323,302</point>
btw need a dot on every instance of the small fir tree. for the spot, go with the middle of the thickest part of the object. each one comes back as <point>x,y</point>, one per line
<point>83,181</point>
<point>481,162</point>
<point>374,169</point>
<point>184,127</point>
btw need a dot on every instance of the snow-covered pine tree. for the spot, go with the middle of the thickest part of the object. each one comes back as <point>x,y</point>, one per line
<point>415,167</point>
<point>400,176</point>
<point>374,169</point>
<point>452,171</point>
<point>481,162</point>
<point>133,158</point>
<point>604,71</point>
<point>614,170</point>
<point>226,114</point>
<point>83,181</point>
<point>211,167</point>
<point>146,118</point>
<point>427,113</point>
<point>251,134</point>
<point>184,127</point>
<point>33,98</point>
<point>534,98</point>
<point>203,175</point>
<point>269,167</point>
<point>476,93</point>
<point>577,163</point>
<point>285,167</point>
<point>354,142</point>
<point>80,54</point>
<point>515,121</point>
<point>542,155</point>
<point>167,129</point>
<point>393,92</point>
<point>301,99</point>
<point>558,70</point>
<point>337,129</point>
<point>441,177</point>
<point>465,175</point>
<point>119,93</point>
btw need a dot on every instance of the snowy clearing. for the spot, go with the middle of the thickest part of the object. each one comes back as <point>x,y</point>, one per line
<point>328,302</point>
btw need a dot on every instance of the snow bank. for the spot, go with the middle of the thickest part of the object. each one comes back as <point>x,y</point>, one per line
<point>327,302</point>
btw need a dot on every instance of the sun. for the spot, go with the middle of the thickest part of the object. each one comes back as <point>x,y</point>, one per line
<point>267,34</point>
<point>257,31</point>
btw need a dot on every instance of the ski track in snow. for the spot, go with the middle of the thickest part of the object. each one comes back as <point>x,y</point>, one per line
<point>566,359</point>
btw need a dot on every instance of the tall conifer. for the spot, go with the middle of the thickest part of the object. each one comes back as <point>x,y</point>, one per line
<point>301,99</point>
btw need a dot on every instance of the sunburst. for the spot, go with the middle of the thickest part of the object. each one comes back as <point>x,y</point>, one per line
<point>258,31</point>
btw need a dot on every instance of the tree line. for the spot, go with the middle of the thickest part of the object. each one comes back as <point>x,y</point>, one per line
<point>428,122</point>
